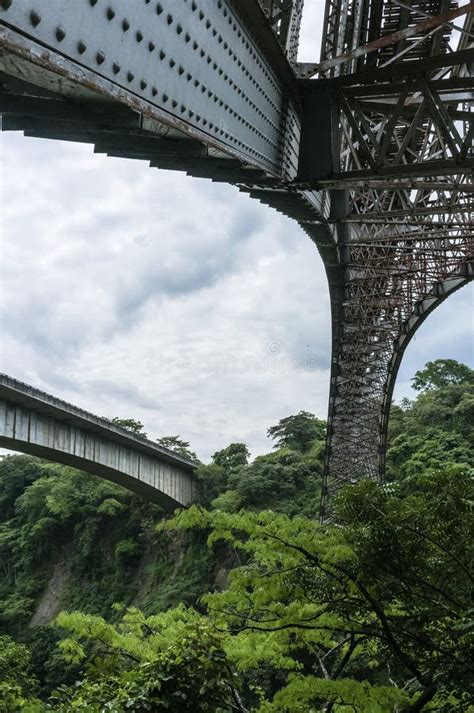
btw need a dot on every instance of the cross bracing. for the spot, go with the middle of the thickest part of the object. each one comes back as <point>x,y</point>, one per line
<point>370,148</point>
<point>405,161</point>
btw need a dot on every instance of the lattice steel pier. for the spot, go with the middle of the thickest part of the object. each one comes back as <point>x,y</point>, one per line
<point>370,149</point>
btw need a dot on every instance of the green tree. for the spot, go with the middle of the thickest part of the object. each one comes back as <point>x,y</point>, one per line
<point>130,425</point>
<point>17,473</point>
<point>17,685</point>
<point>285,480</point>
<point>215,477</point>
<point>442,372</point>
<point>213,480</point>
<point>374,614</point>
<point>173,661</point>
<point>232,457</point>
<point>178,445</point>
<point>298,432</point>
<point>47,662</point>
<point>436,428</point>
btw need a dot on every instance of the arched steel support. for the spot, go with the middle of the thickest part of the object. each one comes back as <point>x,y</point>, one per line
<point>389,292</point>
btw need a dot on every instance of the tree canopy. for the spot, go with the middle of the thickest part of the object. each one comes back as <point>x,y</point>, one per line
<point>232,457</point>
<point>130,424</point>
<point>442,372</point>
<point>178,445</point>
<point>297,432</point>
<point>245,603</point>
<point>372,614</point>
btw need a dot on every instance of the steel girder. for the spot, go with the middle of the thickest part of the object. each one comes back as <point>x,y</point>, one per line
<point>392,132</point>
<point>196,67</point>
<point>284,17</point>
<point>350,25</point>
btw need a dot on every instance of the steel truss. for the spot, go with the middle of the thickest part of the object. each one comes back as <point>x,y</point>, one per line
<point>284,17</point>
<point>404,159</point>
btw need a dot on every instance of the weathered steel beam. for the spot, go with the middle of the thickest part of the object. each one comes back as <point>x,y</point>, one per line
<point>400,71</point>
<point>197,68</point>
<point>309,70</point>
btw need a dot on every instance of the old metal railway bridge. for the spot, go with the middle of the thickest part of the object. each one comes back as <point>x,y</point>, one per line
<point>370,149</point>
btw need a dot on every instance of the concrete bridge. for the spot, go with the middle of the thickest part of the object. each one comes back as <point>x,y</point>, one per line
<point>34,422</point>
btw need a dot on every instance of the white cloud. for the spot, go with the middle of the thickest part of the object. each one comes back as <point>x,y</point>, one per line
<point>448,333</point>
<point>311,31</point>
<point>148,294</point>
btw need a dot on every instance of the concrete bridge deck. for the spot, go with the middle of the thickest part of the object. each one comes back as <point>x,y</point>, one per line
<point>37,423</point>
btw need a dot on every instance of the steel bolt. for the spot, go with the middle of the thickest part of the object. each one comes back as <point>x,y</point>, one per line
<point>130,76</point>
<point>35,18</point>
<point>6,4</point>
<point>81,46</point>
<point>151,46</point>
<point>125,25</point>
<point>115,68</point>
<point>110,13</point>
<point>100,57</point>
<point>60,33</point>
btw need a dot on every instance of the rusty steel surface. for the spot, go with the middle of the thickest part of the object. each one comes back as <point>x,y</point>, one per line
<point>374,158</point>
<point>400,36</point>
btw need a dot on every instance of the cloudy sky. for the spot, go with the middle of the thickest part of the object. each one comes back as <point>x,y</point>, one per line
<point>138,293</point>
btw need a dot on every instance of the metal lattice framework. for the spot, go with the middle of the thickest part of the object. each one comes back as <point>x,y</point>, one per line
<point>285,19</point>
<point>370,149</point>
<point>405,161</point>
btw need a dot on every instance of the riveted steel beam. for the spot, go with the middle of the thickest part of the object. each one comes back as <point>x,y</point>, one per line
<point>195,66</point>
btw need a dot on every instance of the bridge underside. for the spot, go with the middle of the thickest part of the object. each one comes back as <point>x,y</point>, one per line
<point>374,158</point>
<point>39,424</point>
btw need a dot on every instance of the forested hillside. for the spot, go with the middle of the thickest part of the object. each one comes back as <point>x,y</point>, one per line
<point>246,603</point>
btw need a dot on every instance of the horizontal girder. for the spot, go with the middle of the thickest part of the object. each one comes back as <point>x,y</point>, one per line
<point>192,66</point>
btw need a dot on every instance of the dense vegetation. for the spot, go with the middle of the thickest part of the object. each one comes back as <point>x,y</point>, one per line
<point>246,603</point>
